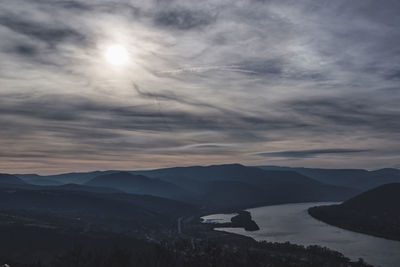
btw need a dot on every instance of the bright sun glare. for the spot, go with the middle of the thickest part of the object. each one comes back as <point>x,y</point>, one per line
<point>117,55</point>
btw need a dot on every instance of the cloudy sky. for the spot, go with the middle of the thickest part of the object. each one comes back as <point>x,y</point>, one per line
<point>274,82</point>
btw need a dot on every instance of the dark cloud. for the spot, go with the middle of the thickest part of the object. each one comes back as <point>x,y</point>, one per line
<point>64,108</point>
<point>25,50</point>
<point>354,112</point>
<point>184,19</point>
<point>50,34</point>
<point>208,146</point>
<point>74,5</point>
<point>310,153</point>
<point>67,4</point>
<point>173,97</point>
<point>393,75</point>
<point>263,67</point>
<point>69,114</point>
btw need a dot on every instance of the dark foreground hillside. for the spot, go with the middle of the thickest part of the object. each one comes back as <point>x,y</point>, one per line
<point>29,246</point>
<point>375,212</point>
<point>112,212</point>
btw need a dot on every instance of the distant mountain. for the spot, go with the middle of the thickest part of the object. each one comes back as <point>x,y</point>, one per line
<point>139,184</point>
<point>65,178</point>
<point>230,172</point>
<point>8,179</point>
<point>375,212</point>
<point>355,178</point>
<point>83,188</point>
<point>43,181</point>
<point>11,182</point>
<point>226,187</point>
<point>235,185</point>
<point>232,194</point>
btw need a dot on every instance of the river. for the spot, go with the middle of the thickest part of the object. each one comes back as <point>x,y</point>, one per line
<point>291,222</point>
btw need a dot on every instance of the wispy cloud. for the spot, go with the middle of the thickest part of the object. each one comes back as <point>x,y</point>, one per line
<point>201,69</point>
<point>310,153</point>
<point>208,82</point>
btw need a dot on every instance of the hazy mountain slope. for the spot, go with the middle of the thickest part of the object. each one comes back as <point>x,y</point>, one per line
<point>8,179</point>
<point>231,172</point>
<point>235,184</point>
<point>43,182</point>
<point>386,171</point>
<point>375,212</point>
<point>84,188</point>
<point>228,194</point>
<point>139,184</point>
<point>65,178</point>
<point>328,176</point>
<point>11,182</point>
<point>193,186</point>
<point>233,194</point>
<point>383,176</point>
<point>355,178</point>
<point>227,186</point>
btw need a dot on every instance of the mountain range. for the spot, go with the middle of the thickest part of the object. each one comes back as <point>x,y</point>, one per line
<point>354,178</point>
<point>222,187</point>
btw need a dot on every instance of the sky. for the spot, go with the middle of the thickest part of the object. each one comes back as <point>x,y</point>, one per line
<point>273,82</point>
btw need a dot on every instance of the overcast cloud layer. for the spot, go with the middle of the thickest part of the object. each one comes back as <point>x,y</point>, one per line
<point>279,82</point>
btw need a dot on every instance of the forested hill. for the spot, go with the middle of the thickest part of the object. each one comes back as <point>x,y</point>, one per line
<point>375,212</point>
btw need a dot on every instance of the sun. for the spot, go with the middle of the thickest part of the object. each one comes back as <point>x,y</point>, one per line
<point>116,55</point>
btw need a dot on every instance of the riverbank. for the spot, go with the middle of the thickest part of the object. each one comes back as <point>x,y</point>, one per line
<point>247,251</point>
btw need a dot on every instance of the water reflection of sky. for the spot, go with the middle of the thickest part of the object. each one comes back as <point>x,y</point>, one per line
<point>218,218</point>
<point>291,222</point>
